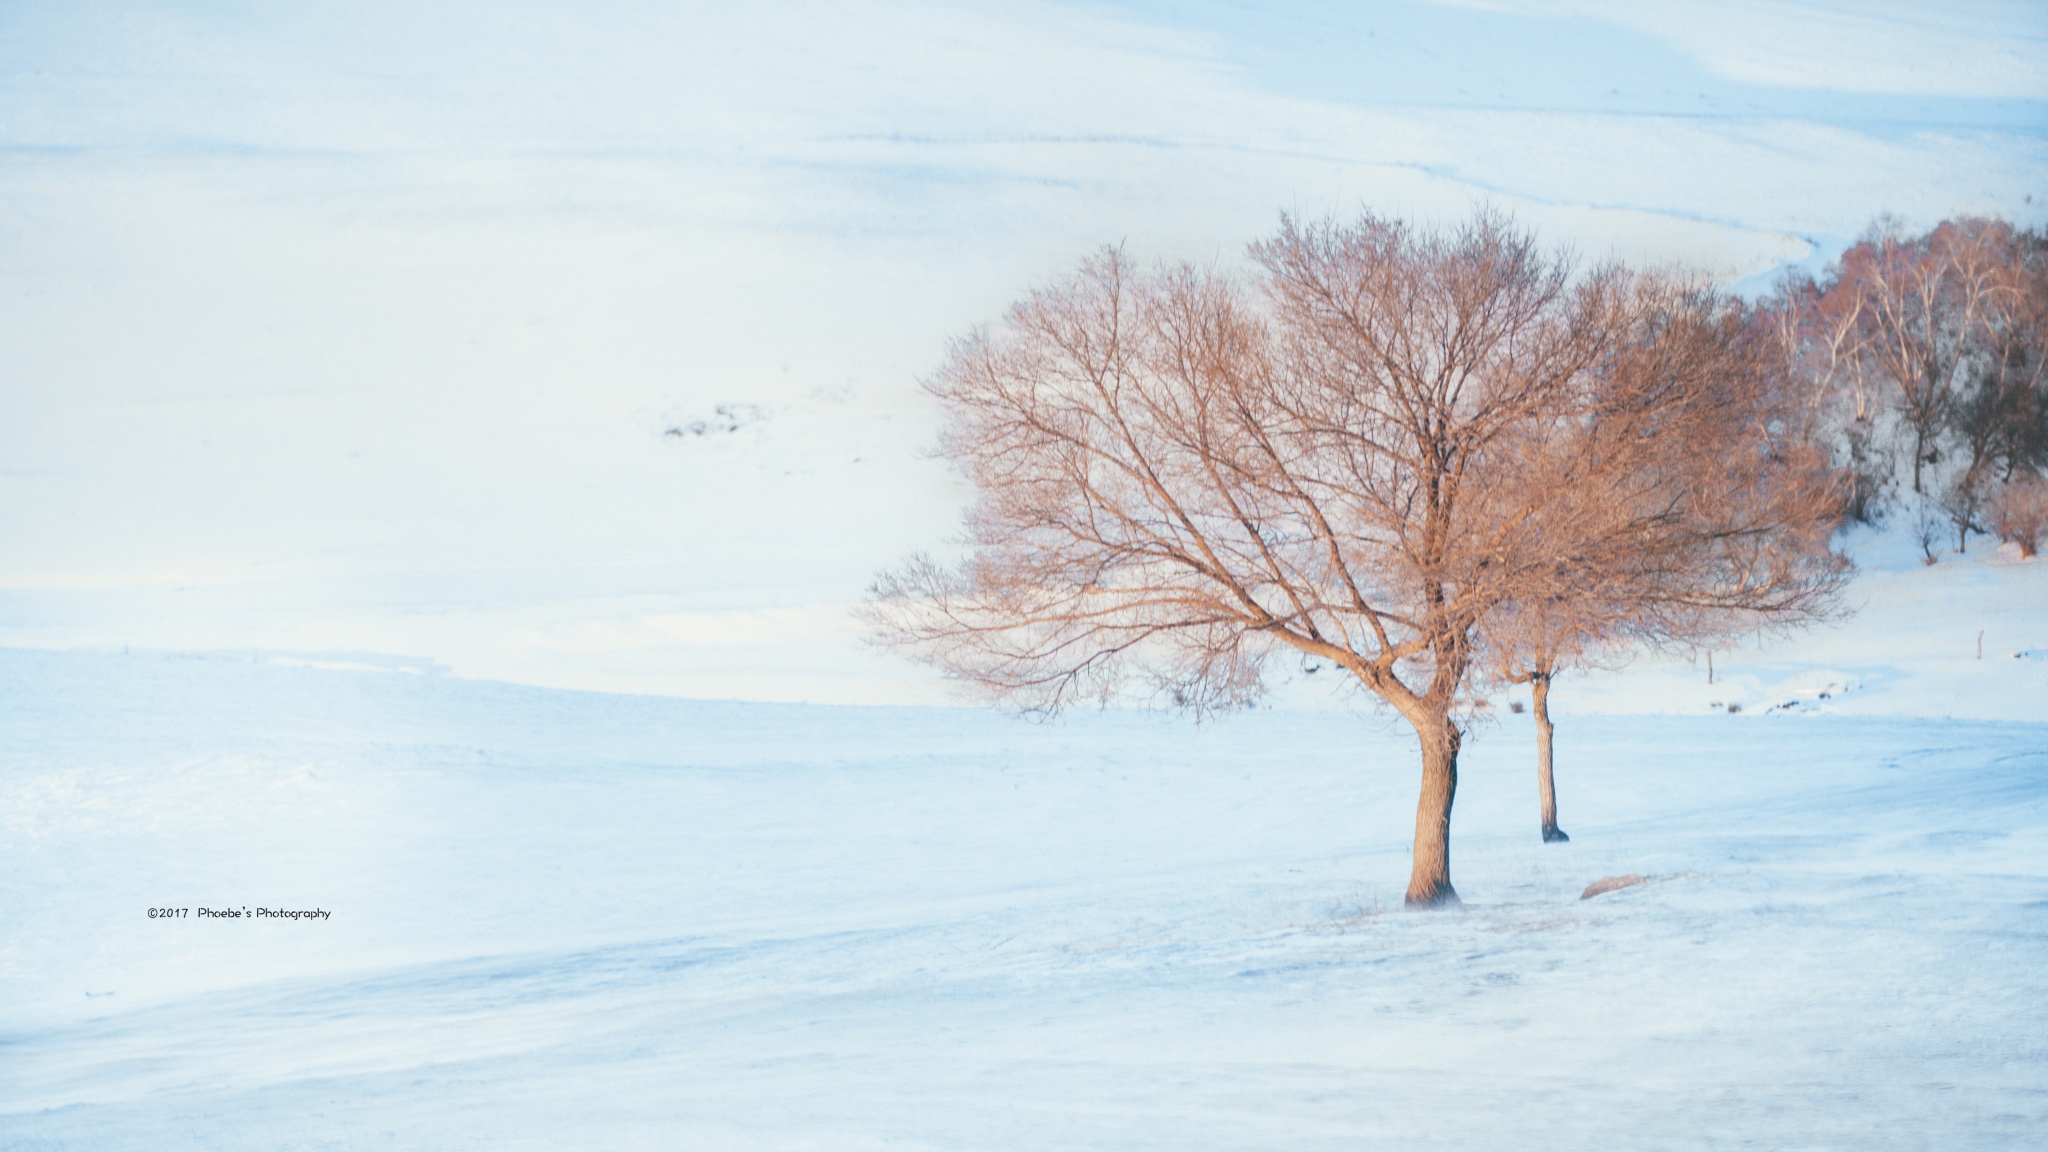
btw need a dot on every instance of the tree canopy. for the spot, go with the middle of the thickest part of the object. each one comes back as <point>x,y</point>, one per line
<point>1382,450</point>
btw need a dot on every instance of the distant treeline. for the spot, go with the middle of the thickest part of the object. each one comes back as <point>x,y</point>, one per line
<point>1922,358</point>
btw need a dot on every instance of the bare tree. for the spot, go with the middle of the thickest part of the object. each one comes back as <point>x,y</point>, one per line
<point>1177,478</point>
<point>1548,637</point>
<point>1928,532</point>
<point>1709,514</point>
<point>2019,513</point>
<point>2000,421</point>
<point>1825,333</point>
<point>1926,303</point>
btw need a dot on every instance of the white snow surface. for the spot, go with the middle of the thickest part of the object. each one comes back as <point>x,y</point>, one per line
<point>361,357</point>
<point>1965,637</point>
<point>575,920</point>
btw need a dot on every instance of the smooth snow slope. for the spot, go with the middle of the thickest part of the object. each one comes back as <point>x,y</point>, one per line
<point>361,326</point>
<point>568,920</point>
<point>1963,638</point>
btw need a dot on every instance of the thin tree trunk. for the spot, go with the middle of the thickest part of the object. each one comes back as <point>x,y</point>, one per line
<point>1429,884</point>
<point>1546,787</point>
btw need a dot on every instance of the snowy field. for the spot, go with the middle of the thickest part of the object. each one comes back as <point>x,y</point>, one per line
<point>565,919</point>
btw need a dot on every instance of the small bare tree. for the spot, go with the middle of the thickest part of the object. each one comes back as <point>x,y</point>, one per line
<point>1929,528</point>
<point>1177,479</point>
<point>2019,513</point>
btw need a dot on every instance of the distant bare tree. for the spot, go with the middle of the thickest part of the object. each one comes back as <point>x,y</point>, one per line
<point>1824,334</point>
<point>1928,531</point>
<point>1961,502</point>
<point>1925,303</point>
<point>2000,421</point>
<point>2019,513</point>
<point>1177,479</point>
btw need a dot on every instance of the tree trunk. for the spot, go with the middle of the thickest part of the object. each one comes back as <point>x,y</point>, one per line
<point>1919,452</point>
<point>1920,449</point>
<point>1546,787</point>
<point>1429,884</point>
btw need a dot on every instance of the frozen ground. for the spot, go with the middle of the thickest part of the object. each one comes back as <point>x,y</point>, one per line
<point>576,920</point>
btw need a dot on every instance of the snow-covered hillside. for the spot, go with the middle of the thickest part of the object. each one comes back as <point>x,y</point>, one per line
<point>1963,638</point>
<point>574,920</point>
<point>362,326</point>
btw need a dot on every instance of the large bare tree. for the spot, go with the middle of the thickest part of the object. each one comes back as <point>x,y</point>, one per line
<point>1710,511</point>
<point>1178,477</point>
